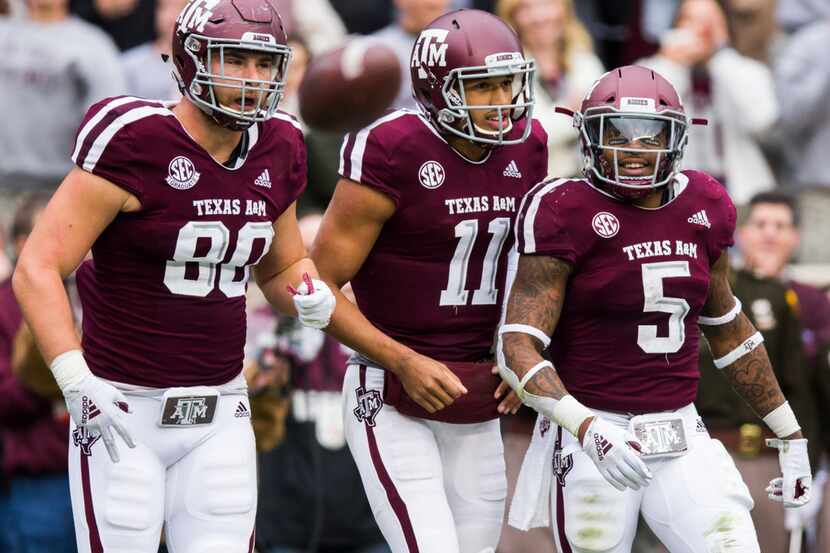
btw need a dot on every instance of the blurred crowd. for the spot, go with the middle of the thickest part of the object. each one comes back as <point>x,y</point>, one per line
<point>756,70</point>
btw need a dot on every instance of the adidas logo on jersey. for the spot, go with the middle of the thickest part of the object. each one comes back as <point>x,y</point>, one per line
<point>241,411</point>
<point>700,218</point>
<point>264,179</point>
<point>512,170</point>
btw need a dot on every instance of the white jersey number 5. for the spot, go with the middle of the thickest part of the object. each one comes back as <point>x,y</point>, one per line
<point>677,308</point>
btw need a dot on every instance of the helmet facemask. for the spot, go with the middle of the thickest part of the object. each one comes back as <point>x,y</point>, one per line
<point>258,97</point>
<point>641,141</point>
<point>457,119</point>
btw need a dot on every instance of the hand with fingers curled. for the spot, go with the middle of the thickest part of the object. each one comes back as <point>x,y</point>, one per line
<point>314,302</point>
<point>431,384</point>
<point>93,404</point>
<point>615,455</point>
<point>794,485</point>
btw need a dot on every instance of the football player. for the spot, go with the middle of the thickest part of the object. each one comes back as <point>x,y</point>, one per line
<point>420,223</point>
<point>178,201</point>
<point>617,275</point>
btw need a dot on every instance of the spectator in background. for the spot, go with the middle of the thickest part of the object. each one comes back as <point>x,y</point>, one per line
<point>128,22</point>
<point>37,511</point>
<point>53,67</point>
<point>767,240</point>
<point>735,93</point>
<point>412,17</point>
<point>310,496</point>
<point>802,80</point>
<point>566,67</point>
<point>148,75</point>
<point>753,29</point>
<point>626,31</point>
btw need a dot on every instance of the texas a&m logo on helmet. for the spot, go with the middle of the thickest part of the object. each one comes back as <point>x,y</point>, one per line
<point>430,49</point>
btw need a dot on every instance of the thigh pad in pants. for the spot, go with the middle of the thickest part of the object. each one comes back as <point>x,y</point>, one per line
<point>595,512</point>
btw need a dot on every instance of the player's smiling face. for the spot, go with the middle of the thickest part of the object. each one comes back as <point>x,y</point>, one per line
<point>636,137</point>
<point>248,73</point>
<point>492,91</point>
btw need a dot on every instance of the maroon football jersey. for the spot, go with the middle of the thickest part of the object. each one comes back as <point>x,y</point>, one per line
<point>434,278</point>
<point>164,296</point>
<point>627,339</point>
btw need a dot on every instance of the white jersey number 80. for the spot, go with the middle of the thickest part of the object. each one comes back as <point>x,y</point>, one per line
<point>218,236</point>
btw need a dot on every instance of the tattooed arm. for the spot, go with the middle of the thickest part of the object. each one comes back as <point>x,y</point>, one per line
<point>536,299</point>
<point>751,375</point>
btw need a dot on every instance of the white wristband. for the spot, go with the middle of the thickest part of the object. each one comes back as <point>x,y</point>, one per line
<point>531,373</point>
<point>746,346</point>
<point>526,329</point>
<point>782,421</point>
<point>570,414</point>
<point>69,369</point>
<point>723,319</point>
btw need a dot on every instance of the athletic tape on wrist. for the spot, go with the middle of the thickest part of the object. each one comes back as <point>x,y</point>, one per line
<point>570,414</point>
<point>723,319</point>
<point>747,346</point>
<point>526,329</point>
<point>69,369</point>
<point>782,421</point>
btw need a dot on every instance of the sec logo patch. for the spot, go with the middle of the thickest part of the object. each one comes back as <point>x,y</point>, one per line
<point>605,224</point>
<point>181,173</point>
<point>431,175</point>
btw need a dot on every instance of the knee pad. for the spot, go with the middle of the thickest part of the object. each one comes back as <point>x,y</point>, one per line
<point>594,515</point>
<point>134,498</point>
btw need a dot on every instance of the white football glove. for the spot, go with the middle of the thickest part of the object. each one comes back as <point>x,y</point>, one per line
<point>92,403</point>
<point>805,516</point>
<point>615,456</point>
<point>314,302</point>
<point>793,486</point>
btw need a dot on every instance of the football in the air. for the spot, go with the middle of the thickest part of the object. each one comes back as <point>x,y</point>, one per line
<point>347,88</point>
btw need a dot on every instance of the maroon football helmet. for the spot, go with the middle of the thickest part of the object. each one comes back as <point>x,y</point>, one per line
<point>460,46</point>
<point>207,30</point>
<point>632,110</point>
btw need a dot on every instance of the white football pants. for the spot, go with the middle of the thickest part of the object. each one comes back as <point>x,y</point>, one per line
<point>696,503</point>
<point>199,480</point>
<point>434,487</point>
